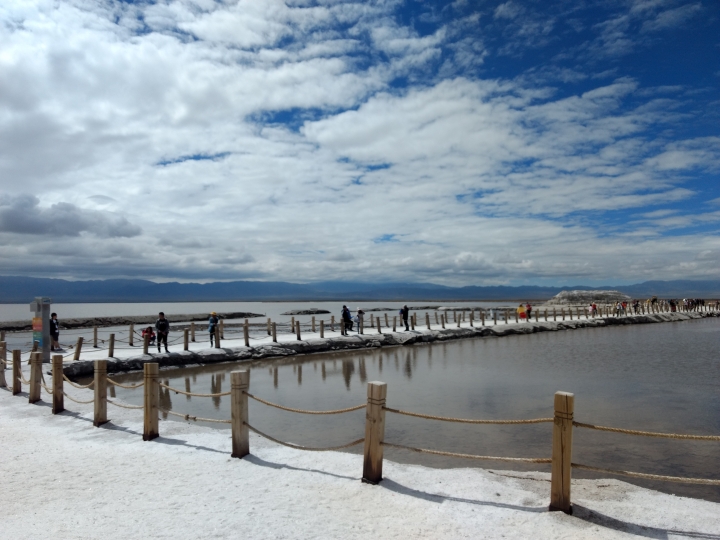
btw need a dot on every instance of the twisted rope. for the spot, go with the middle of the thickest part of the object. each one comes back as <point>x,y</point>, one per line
<point>81,386</point>
<point>298,447</point>
<point>78,401</point>
<point>128,386</point>
<point>124,406</point>
<point>191,393</point>
<point>195,418</point>
<point>468,421</point>
<point>649,433</point>
<point>303,411</point>
<point>467,456</point>
<point>678,479</point>
<point>22,380</point>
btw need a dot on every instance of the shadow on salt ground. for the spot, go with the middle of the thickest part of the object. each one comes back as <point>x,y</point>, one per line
<point>391,485</point>
<point>263,463</point>
<point>596,518</point>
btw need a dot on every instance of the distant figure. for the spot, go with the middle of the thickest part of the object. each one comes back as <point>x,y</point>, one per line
<point>212,324</point>
<point>593,309</point>
<point>54,333</point>
<point>149,332</point>
<point>162,325</point>
<point>360,314</point>
<point>528,311</point>
<point>405,313</point>
<point>347,319</point>
<point>521,312</point>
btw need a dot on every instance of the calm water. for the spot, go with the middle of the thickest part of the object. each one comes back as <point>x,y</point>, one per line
<point>658,377</point>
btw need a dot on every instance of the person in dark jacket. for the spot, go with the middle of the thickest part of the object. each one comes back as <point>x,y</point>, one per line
<point>405,313</point>
<point>347,319</point>
<point>54,333</point>
<point>212,325</point>
<point>162,325</point>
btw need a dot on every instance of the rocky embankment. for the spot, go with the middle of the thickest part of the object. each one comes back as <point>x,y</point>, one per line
<point>372,339</point>
<point>585,298</point>
<point>89,322</point>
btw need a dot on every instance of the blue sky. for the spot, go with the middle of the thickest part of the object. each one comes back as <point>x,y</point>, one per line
<point>462,143</point>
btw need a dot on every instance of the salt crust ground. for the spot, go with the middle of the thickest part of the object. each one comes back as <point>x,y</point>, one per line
<point>63,478</point>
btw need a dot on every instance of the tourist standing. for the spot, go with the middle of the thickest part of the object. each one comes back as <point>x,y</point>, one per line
<point>521,312</point>
<point>54,333</point>
<point>162,325</point>
<point>528,311</point>
<point>360,314</point>
<point>212,325</point>
<point>405,313</point>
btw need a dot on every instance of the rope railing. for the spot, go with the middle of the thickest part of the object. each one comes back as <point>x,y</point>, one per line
<point>645,476</point>
<point>193,394</point>
<point>194,418</point>
<point>649,433</point>
<point>304,411</point>
<point>126,386</point>
<point>80,386</point>
<point>77,400</point>
<point>466,420</point>
<point>465,456</point>
<point>123,406</point>
<point>298,447</point>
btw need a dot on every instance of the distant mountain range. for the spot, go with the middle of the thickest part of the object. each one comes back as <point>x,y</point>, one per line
<point>16,289</point>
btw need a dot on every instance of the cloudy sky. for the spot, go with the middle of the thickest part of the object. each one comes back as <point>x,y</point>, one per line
<point>463,143</point>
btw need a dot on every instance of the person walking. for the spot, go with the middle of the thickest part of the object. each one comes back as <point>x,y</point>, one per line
<point>212,325</point>
<point>162,325</point>
<point>405,313</point>
<point>360,314</point>
<point>54,333</point>
<point>528,311</point>
<point>521,312</point>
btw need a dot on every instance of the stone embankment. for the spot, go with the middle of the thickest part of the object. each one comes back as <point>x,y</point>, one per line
<point>585,298</point>
<point>371,339</point>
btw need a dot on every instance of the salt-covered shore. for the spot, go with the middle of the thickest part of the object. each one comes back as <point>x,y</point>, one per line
<point>233,350</point>
<point>64,478</point>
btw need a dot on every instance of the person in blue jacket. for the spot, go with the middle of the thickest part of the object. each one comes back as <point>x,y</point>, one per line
<point>212,324</point>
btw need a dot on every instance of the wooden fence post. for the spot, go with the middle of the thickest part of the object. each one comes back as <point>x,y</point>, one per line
<point>151,427</point>
<point>57,375</point>
<point>240,382</point>
<point>374,432</point>
<point>292,323</point>
<point>95,339</point>
<point>570,313</point>
<point>297,330</point>
<point>17,368</point>
<point>78,348</point>
<point>412,321</point>
<point>459,319</point>
<point>372,320</point>
<point>186,339</point>
<point>563,313</point>
<point>269,327</point>
<point>387,323</point>
<point>554,314</point>
<point>562,452</point>
<point>274,332</point>
<point>437,321</point>
<point>111,346</point>
<point>217,337</point>
<point>3,358</point>
<point>131,335</point>
<point>427,320</point>
<point>517,319</point>
<point>395,323</point>
<point>192,332</point>
<point>442,320</point>
<point>146,343</point>
<point>100,417</point>
<point>35,374</point>
<point>246,333</point>
<point>471,319</point>
<point>507,317</point>
<point>482,317</point>
<point>222,328</point>
<point>377,321</point>
<point>313,323</point>
<point>322,328</point>
<point>332,323</point>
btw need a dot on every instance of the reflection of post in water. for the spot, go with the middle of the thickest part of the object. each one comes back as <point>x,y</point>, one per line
<point>380,363</point>
<point>322,369</point>
<point>216,388</point>
<point>408,366</point>
<point>164,399</point>
<point>194,378</point>
<point>294,368</point>
<point>348,368</point>
<point>363,373</point>
<point>334,364</point>
<point>299,372</point>
<point>397,362</point>
<point>187,388</point>
<point>315,366</point>
<point>414,357</point>
<point>275,377</point>
<point>429,353</point>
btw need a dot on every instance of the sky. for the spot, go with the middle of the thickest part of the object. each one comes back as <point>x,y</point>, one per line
<point>457,143</point>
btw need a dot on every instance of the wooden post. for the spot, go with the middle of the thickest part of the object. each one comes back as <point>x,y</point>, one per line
<point>274,332</point>
<point>35,347</point>
<point>546,315</point>
<point>471,319</point>
<point>412,321</point>
<point>322,328</point>
<point>442,320</point>
<point>217,337</point>
<point>292,323</point>
<point>186,339</point>
<point>563,313</point>
<point>95,339</point>
<point>3,358</point>
<point>35,374</point>
<point>437,321</point>
<point>395,323</point>
<point>482,317</point>
<point>374,432</point>
<point>269,327</point>
<point>297,330</point>
<point>222,327</point>
<point>313,323</point>
<point>151,427</point>
<point>240,382</point>
<point>507,317</point>
<point>562,452</point>
<point>131,335</point>
<point>2,335</point>
<point>246,333</point>
<point>192,332</point>
<point>570,312</point>
<point>17,367</point>
<point>372,320</point>
<point>378,325</point>
<point>387,323</point>
<point>146,343</point>
<point>554,314</point>
<point>57,375</point>
<point>332,323</point>
<point>455,317</point>
<point>427,320</point>
<point>517,320</point>
<point>111,346</point>
<point>78,348</point>
<point>100,417</point>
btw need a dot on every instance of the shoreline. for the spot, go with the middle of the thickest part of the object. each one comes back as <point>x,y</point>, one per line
<point>84,368</point>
